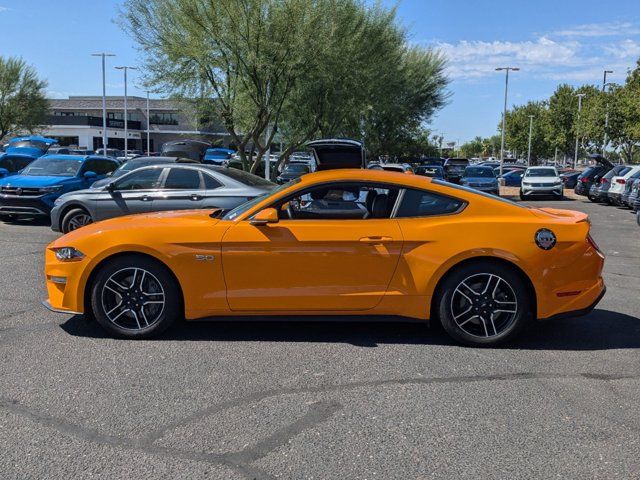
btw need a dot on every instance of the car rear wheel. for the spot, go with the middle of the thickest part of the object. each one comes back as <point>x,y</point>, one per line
<point>484,304</point>
<point>74,219</point>
<point>135,297</point>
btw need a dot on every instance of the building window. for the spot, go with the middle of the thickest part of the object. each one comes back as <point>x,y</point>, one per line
<point>163,119</point>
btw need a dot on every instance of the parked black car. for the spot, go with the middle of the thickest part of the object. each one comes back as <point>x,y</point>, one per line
<point>592,175</point>
<point>634,196</point>
<point>599,191</point>
<point>570,179</point>
<point>193,149</point>
<point>292,171</point>
<point>454,169</point>
<point>171,186</point>
<point>433,171</point>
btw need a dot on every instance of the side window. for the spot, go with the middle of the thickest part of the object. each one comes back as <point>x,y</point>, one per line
<point>182,179</point>
<point>142,180</point>
<point>340,201</point>
<point>210,183</point>
<point>420,203</point>
<point>90,166</point>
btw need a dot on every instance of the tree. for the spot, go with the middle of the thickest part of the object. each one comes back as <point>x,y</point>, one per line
<point>298,68</point>
<point>473,148</point>
<point>518,123</point>
<point>23,105</point>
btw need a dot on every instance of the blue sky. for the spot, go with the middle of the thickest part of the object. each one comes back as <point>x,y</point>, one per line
<point>551,41</point>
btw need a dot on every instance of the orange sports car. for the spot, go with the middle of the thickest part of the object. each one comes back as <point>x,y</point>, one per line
<point>338,242</point>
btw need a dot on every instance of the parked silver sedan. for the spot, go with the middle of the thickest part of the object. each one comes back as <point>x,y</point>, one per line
<point>159,187</point>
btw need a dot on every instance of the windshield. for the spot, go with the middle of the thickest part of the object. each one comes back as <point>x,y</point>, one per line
<point>13,164</point>
<point>296,168</point>
<point>245,177</point>
<point>240,209</point>
<point>30,143</point>
<point>52,167</point>
<point>479,172</point>
<point>541,172</point>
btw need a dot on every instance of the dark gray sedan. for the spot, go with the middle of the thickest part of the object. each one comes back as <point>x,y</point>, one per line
<point>159,187</point>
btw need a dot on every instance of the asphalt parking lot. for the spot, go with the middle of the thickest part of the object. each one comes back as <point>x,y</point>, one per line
<point>319,401</point>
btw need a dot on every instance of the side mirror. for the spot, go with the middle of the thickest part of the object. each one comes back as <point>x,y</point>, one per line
<point>89,175</point>
<point>263,217</point>
<point>4,172</point>
<point>110,187</point>
<point>109,174</point>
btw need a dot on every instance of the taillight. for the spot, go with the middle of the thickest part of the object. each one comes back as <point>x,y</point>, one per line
<point>621,180</point>
<point>604,180</point>
<point>584,180</point>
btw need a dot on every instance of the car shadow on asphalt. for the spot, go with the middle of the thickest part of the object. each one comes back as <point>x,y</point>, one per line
<point>28,222</point>
<point>600,330</point>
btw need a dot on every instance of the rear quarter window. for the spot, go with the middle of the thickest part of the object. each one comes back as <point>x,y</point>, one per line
<point>421,203</point>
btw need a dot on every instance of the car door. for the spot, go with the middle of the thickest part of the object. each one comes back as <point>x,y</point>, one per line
<point>133,193</point>
<point>331,262</point>
<point>182,189</point>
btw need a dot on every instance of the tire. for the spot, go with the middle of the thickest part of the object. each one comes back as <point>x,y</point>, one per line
<point>148,294</point>
<point>522,197</point>
<point>638,217</point>
<point>465,287</point>
<point>74,219</point>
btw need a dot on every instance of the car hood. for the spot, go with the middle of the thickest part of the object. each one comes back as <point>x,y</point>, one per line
<point>334,153</point>
<point>33,181</point>
<point>540,179</point>
<point>178,219</point>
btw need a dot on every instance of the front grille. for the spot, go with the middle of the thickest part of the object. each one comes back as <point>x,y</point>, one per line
<point>20,192</point>
<point>543,184</point>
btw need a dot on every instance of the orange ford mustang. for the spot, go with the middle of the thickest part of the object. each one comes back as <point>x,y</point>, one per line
<point>339,242</point>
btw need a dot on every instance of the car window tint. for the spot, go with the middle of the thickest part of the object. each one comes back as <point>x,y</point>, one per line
<point>210,183</point>
<point>340,201</point>
<point>182,179</point>
<point>141,180</point>
<point>420,203</point>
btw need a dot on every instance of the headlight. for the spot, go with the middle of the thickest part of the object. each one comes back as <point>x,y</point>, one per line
<point>54,188</point>
<point>68,254</point>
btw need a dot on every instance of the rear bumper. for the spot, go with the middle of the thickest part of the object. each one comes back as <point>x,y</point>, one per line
<point>581,311</point>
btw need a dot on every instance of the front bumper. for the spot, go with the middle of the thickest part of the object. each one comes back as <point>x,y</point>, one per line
<point>64,281</point>
<point>614,197</point>
<point>528,190</point>
<point>26,206</point>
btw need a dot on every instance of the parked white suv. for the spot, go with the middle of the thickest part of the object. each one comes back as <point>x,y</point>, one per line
<point>541,181</point>
<point>618,183</point>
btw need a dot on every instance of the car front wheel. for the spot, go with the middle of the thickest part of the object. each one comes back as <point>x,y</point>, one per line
<point>74,219</point>
<point>135,297</point>
<point>484,304</point>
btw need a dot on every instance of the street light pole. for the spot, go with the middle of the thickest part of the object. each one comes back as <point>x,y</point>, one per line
<point>575,159</point>
<point>104,99</point>
<point>606,114</point>
<point>530,132</point>
<point>504,112</point>
<point>126,134</point>
<point>148,127</point>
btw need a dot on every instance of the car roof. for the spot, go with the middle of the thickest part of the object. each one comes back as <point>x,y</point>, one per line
<point>65,156</point>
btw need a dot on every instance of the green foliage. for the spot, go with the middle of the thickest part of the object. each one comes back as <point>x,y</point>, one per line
<point>307,68</point>
<point>23,105</point>
<point>612,116</point>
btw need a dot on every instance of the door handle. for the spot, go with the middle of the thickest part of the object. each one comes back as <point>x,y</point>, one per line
<point>195,197</point>
<point>146,198</point>
<point>376,239</point>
